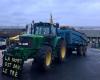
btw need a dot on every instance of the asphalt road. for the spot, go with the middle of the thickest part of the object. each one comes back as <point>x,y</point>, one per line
<point>74,68</point>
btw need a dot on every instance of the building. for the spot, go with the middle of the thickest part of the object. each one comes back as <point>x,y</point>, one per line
<point>93,35</point>
<point>10,32</point>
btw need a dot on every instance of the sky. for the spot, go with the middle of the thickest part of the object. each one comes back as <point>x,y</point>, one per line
<point>65,12</point>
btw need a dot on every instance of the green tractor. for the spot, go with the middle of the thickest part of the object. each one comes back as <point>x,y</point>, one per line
<point>42,44</point>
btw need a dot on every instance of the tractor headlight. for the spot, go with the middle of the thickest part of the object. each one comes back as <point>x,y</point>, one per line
<point>24,44</point>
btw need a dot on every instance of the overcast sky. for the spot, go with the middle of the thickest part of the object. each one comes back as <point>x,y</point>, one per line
<point>66,12</point>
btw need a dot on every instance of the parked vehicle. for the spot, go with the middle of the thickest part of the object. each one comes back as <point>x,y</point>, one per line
<point>3,43</point>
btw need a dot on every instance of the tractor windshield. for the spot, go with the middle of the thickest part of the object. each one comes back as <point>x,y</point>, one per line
<point>42,30</point>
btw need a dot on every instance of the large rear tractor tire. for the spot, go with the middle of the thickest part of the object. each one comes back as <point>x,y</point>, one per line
<point>61,51</point>
<point>44,57</point>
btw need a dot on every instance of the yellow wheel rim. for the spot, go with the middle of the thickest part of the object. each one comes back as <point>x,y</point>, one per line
<point>48,59</point>
<point>63,52</point>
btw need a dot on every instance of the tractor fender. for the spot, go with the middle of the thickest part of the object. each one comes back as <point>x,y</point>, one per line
<point>56,40</point>
<point>55,45</point>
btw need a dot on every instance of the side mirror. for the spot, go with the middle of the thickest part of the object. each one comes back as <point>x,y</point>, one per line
<point>31,28</point>
<point>57,25</point>
<point>26,28</point>
<point>33,21</point>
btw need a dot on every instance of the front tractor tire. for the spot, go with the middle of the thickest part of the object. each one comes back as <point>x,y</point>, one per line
<point>44,57</point>
<point>61,51</point>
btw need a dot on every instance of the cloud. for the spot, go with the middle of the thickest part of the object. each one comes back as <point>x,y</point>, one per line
<point>72,12</point>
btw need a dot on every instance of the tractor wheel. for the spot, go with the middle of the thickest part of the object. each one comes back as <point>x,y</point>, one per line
<point>69,51</point>
<point>61,51</point>
<point>44,57</point>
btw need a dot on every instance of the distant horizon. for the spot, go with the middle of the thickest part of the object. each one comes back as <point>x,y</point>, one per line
<point>48,21</point>
<point>78,27</point>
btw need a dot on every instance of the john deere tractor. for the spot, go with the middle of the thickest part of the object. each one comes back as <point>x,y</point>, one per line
<point>42,44</point>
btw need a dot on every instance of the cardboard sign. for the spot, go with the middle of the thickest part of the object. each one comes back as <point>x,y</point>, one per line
<point>12,66</point>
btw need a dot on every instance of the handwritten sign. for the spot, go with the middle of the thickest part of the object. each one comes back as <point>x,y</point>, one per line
<point>12,66</point>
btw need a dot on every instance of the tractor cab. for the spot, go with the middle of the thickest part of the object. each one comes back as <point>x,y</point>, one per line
<point>43,29</point>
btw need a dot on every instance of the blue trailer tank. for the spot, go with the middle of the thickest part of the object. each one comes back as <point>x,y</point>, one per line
<point>74,39</point>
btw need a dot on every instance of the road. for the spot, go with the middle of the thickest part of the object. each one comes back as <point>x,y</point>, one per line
<point>74,68</point>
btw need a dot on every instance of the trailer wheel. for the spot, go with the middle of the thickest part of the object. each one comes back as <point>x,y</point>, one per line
<point>61,51</point>
<point>44,57</point>
<point>84,50</point>
<point>80,51</point>
<point>69,51</point>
